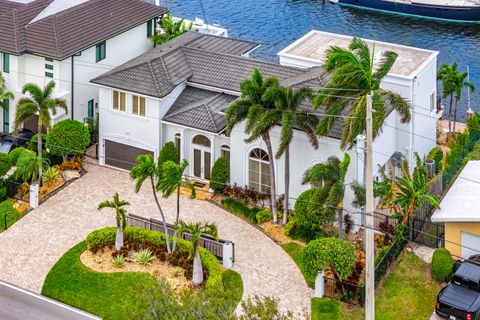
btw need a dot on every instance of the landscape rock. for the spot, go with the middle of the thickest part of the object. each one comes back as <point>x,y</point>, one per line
<point>70,175</point>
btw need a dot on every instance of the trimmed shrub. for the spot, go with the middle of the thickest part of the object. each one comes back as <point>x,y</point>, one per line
<point>442,265</point>
<point>15,154</point>
<point>220,175</point>
<point>68,138</point>
<point>338,254</point>
<point>167,153</point>
<point>240,209</point>
<point>5,164</point>
<point>436,154</point>
<point>141,239</point>
<point>264,216</point>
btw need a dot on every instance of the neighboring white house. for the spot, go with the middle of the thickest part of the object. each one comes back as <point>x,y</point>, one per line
<point>70,42</point>
<point>178,92</point>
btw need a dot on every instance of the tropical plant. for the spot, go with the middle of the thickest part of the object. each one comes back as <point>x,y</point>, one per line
<point>332,175</point>
<point>386,189</point>
<point>171,181</point>
<point>51,175</point>
<point>196,230</point>
<point>353,76</point>
<point>145,256</point>
<point>261,115</point>
<point>120,216</point>
<point>359,193</point>
<point>170,29</point>
<point>29,165</point>
<point>118,261</point>
<point>147,169</point>
<point>4,94</point>
<point>39,102</point>
<point>220,175</point>
<point>5,164</point>
<point>287,102</point>
<point>68,137</point>
<point>460,82</point>
<point>447,74</point>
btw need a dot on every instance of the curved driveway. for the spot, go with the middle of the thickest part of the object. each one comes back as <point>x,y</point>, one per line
<point>30,248</point>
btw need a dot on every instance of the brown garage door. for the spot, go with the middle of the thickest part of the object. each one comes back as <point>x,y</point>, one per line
<point>122,155</point>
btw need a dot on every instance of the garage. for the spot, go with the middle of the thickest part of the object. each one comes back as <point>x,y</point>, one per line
<point>470,245</point>
<point>121,155</point>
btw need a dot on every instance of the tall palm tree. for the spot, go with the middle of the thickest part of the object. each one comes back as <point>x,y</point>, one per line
<point>4,94</point>
<point>120,216</point>
<point>447,74</point>
<point>196,230</point>
<point>39,102</point>
<point>332,175</point>
<point>147,169</point>
<point>353,77</point>
<point>171,181</point>
<point>460,83</point>
<point>260,116</point>
<point>288,102</point>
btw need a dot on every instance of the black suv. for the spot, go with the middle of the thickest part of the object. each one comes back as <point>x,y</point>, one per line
<point>12,141</point>
<point>460,299</point>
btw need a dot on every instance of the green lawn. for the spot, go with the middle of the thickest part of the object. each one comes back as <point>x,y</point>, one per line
<point>108,295</point>
<point>323,309</point>
<point>294,250</point>
<point>7,207</point>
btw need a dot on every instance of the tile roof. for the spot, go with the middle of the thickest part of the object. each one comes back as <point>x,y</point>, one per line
<point>200,109</point>
<point>64,33</point>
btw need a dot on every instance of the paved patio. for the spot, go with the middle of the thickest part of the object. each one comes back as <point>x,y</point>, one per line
<point>30,248</point>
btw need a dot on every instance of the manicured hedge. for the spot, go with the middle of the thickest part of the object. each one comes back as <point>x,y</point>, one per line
<point>220,174</point>
<point>239,208</point>
<point>264,216</point>
<point>139,238</point>
<point>442,265</point>
<point>68,137</point>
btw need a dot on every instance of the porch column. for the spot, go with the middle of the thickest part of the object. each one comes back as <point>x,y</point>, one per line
<point>182,143</point>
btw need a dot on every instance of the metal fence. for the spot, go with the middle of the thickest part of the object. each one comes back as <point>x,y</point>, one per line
<point>209,243</point>
<point>344,291</point>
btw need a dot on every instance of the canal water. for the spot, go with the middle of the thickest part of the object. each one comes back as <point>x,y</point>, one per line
<point>276,23</point>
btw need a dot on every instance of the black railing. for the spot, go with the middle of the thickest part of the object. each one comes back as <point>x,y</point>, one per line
<point>207,242</point>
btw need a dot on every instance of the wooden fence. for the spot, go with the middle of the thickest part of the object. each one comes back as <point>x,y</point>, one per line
<point>209,243</point>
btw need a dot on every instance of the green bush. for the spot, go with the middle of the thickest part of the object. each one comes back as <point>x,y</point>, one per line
<point>33,143</point>
<point>436,154</point>
<point>15,154</point>
<point>220,175</point>
<point>68,137</point>
<point>240,209</point>
<point>140,239</point>
<point>336,253</point>
<point>167,153</point>
<point>264,216</point>
<point>5,164</point>
<point>442,265</point>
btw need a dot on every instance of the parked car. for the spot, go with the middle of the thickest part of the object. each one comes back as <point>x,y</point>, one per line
<point>19,139</point>
<point>460,299</point>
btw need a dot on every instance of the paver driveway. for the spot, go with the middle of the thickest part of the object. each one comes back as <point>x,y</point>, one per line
<point>30,248</point>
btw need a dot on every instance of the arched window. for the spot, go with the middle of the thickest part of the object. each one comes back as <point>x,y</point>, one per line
<point>225,151</point>
<point>259,170</point>
<point>178,142</point>
<point>201,140</point>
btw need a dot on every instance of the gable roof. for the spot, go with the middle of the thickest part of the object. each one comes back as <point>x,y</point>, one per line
<point>37,28</point>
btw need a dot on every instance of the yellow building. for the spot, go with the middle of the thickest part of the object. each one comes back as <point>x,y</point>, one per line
<point>460,211</point>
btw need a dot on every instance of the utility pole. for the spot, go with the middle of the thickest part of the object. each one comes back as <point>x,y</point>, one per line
<point>369,234</point>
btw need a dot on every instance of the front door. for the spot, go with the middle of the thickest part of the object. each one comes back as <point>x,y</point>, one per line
<point>201,162</point>
<point>90,108</point>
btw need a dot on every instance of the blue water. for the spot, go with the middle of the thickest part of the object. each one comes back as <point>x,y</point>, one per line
<point>276,24</point>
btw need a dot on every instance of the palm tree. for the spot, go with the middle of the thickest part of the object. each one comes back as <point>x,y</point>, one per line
<point>386,190</point>
<point>4,94</point>
<point>147,169</point>
<point>288,102</point>
<point>353,76</point>
<point>120,215</point>
<point>260,116</point>
<point>29,165</point>
<point>40,102</point>
<point>447,74</point>
<point>196,230</point>
<point>460,83</point>
<point>171,181</point>
<point>170,29</point>
<point>332,175</point>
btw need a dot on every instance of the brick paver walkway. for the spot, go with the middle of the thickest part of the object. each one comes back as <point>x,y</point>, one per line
<point>30,248</point>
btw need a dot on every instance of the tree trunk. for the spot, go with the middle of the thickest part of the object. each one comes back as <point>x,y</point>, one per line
<point>175,235</point>
<point>165,230</point>
<point>287,185</point>
<point>455,114</point>
<point>450,114</point>
<point>39,150</point>
<point>119,238</point>
<point>197,269</point>
<point>273,190</point>
<point>341,232</point>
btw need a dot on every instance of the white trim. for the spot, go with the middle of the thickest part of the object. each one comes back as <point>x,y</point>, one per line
<point>194,129</point>
<point>215,89</point>
<point>130,92</point>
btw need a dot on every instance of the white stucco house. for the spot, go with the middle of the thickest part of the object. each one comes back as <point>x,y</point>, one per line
<point>70,42</point>
<point>178,92</point>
